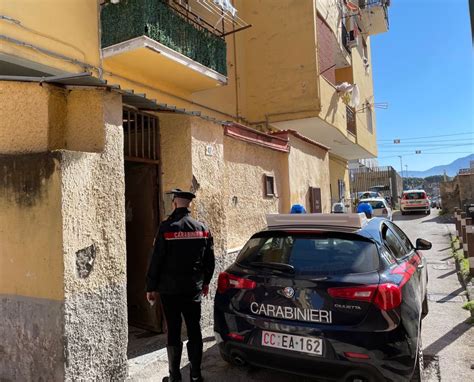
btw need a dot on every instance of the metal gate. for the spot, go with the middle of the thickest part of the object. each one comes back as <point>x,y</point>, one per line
<point>141,138</point>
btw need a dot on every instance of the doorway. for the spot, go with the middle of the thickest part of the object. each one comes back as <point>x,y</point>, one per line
<point>142,188</point>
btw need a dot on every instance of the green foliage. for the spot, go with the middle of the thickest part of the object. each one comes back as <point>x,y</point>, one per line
<point>435,179</point>
<point>469,306</point>
<point>155,19</point>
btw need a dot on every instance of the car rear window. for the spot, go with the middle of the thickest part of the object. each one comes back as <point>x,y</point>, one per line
<point>415,195</point>
<point>376,204</point>
<point>312,254</point>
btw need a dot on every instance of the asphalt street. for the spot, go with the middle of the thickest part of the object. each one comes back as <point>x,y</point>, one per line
<point>447,339</point>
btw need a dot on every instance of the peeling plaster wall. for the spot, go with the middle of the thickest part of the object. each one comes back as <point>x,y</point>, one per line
<point>93,188</point>
<point>308,167</point>
<point>246,202</point>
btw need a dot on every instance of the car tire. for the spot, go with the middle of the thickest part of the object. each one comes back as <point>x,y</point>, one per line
<point>424,307</point>
<point>428,212</point>
<point>403,213</point>
<point>419,364</point>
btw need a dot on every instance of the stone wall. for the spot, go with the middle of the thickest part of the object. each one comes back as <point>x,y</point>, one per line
<point>457,192</point>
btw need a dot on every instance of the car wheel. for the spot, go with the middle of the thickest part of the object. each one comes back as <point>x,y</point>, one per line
<point>428,212</point>
<point>419,365</point>
<point>404,213</point>
<point>424,307</point>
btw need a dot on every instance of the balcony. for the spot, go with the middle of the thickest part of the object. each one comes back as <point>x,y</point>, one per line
<point>374,16</point>
<point>153,39</point>
<point>335,127</point>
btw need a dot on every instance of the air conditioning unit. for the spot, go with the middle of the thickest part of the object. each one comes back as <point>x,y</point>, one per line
<point>352,39</point>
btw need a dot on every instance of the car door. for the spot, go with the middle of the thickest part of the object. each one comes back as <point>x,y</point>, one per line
<point>414,257</point>
<point>405,273</point>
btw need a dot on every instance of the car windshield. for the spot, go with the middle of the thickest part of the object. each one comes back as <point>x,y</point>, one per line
<point>415,195</point>
<point>312,254</point>
<point>376,204</point>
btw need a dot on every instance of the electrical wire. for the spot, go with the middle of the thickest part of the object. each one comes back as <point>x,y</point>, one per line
<point>427,148</point>
<point>427,142</point>
<point>406,155</point>
<point>431,136</point>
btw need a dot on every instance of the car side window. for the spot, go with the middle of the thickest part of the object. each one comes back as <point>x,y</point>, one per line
<point>406,241</point>
<point>393,243</point>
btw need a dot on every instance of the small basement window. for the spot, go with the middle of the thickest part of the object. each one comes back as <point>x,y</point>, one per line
<point>269,185</point>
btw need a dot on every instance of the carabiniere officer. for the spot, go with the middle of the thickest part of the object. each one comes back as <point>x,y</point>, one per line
<point>180,271</point>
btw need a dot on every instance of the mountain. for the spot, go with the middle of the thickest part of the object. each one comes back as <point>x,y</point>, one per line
<point>451,169</point>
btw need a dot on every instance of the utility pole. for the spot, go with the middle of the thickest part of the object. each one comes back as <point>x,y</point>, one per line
<point>406,171</point>
<point>401,169</point>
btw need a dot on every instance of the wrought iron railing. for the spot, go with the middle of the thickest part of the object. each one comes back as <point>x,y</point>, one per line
<point>157,20</point>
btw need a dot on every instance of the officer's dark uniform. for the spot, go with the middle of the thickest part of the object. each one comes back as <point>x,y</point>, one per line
<point>182,262</point>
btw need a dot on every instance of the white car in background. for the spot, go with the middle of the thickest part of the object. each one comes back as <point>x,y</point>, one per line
<point>413,201</point>
<point>379,206</point>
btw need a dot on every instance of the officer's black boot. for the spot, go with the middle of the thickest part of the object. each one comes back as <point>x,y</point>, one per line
<point>195,358</point>
<point>174,361</point>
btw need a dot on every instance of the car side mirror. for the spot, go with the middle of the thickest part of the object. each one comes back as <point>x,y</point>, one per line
<point>422,244</point>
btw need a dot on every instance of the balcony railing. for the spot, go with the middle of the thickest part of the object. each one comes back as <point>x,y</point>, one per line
<point>158,21</point>
<point>351,120</point>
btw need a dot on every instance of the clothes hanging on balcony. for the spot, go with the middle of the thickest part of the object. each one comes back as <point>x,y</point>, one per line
<point>226,6</point>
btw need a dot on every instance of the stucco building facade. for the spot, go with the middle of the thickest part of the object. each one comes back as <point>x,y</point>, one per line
<point>101,115</point>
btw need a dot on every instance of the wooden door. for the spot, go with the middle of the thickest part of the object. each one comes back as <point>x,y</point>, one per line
<point>315,200</point>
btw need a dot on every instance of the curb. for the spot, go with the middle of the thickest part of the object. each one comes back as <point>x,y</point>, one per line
<point>469,288</point>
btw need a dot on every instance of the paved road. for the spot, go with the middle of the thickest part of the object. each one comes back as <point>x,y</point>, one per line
<point>447,339</point>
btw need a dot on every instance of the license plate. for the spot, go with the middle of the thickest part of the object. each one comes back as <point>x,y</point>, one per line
<point>292,342</point>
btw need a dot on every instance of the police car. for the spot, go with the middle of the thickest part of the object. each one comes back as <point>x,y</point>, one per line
<point>331,296</point>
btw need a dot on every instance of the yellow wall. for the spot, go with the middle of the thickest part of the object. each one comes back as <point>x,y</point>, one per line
<point>338,169</point>
<point>363,79</point>
<point>31,256</point>
<point>308,167</point>
<point>281,59</point>
<point>246,203</point>
<point>175,152</point>
<point>69,28</point>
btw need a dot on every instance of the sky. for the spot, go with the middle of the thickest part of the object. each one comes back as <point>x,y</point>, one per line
<point>423,68</point>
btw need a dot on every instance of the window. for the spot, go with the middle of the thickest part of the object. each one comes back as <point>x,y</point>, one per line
<point>393,243</point>
<point>269,185</point>
<point>341,186</point>
<point>322,254</point>
<point>406,241</point>
<point>370,125</point>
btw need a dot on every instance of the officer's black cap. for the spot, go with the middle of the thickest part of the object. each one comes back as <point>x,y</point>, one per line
<point>178,193</point>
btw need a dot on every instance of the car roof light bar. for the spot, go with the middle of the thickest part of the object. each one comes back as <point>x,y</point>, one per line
<point>320,220</point>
